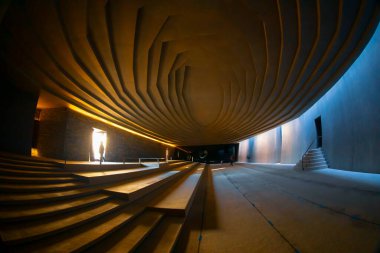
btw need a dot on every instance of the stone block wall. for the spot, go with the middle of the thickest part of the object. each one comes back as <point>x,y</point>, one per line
<point>51,136</point>
<point>66,134</point>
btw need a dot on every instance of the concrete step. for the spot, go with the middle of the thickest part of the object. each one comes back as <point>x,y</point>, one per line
<point>315,154</point>
<point>22,198</point>
<point>177,199</point>
<point>139,187</point>
<point>31,173</point>
<point>30,167</point>
<point>164,236</point>
<point>174,164</point>
<point>36,180</point>
<point>316,167</point>
<point>116,175</point>
<point>322,161</point>
<point>312,159</point>
<point>127,238</point>
<point>19,232</point>
<point>315,150</point>
<point>14,187</point>
<point>23,161</point>
<point>314,162</point>
<point>96,167</point>
<point>87,237</point>
<point>37,211</point>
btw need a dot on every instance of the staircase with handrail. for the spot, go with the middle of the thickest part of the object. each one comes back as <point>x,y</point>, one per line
<point>312,159</point>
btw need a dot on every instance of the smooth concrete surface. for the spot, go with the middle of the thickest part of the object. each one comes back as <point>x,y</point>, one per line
<point>129,237</point>
<point>178,197</point>
<point>34,229</point>
<point>17,198</point>
<point>23,212</point>
<point>256,208</point>
<point>350,113</point>
<point>163,237</point>
<point>231,224</point>
<point>84,236</point>
<point>134,188</point>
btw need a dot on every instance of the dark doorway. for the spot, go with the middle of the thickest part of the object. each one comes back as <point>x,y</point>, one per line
<point>318,127</point>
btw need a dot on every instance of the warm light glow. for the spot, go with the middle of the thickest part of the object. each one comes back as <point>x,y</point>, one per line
<point>90,115</point>
<point>98,137</point>
<point>34,152</point>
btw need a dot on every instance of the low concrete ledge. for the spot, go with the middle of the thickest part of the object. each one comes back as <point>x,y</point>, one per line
<point>100,167</point>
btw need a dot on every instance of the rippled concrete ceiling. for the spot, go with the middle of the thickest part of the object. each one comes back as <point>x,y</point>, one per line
<point>186,72</point>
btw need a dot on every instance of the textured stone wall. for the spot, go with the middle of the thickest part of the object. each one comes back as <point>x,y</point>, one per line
<point>51,137</point>
<point>350,113</point>
<point>66,134</point>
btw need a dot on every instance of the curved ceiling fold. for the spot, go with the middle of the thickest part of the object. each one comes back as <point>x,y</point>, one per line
<point>187,72</point>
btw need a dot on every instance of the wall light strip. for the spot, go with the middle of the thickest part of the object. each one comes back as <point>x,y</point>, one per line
<point>95,117</point>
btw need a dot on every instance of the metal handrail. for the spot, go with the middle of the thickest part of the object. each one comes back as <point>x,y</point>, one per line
<point>306,152</point>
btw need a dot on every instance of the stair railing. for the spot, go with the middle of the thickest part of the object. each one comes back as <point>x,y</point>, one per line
<point>304,154</point>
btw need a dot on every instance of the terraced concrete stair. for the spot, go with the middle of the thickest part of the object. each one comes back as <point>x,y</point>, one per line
<point>35,198</point>
<point>37,211</point>
<point>44,208</point>
<point>127,238</point>
<point>30,167</point>
<point>36,187</point>
<point>116,175</point>
<point>36,179</point>
<point>26,161</point>
<point>312,160</point>
<point>177,198</point>
<point>134,189</point>
<point>164,236</point>
<point>86,235</point>
<point>26,231</point>
<point>33,173</point>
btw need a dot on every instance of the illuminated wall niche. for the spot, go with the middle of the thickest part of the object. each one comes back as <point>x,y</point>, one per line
<point>98,136</point>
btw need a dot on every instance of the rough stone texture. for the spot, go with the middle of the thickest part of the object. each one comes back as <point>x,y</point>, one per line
<point>65,134</point>
<point>350,114</point>
<point>52,131</point>
<point>17,119</point>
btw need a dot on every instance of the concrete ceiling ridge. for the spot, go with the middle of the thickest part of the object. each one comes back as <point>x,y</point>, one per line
<point>188,72</point>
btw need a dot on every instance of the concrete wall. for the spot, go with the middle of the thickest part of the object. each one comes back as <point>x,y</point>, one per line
<point>350,113</point>
<point>51,136</point>
<point>17,119</point>
<point>67,134</point>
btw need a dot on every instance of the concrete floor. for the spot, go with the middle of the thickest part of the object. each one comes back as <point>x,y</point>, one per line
<point>272,208</point>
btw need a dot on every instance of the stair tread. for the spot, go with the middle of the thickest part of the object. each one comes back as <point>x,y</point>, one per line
<point>128,237</point>
<point>30,167</point>
<point>164,236</point>
<point>113,172</point>
<point>89,234</point>
<point>43,196</point>
<point>145,182</point>
<point>27,162</point>
<point>21,178</point>
<point>32,173</point>
<point>38,186</point>
<point>178,196</point>
<point>140,183</point>
<point>35,210</point>
<point>29,230</point>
